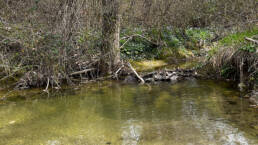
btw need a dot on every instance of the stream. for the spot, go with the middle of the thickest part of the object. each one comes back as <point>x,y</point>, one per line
<point>192,112</point>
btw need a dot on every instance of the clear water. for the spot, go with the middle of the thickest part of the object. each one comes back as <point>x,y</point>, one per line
<point>188,113</point>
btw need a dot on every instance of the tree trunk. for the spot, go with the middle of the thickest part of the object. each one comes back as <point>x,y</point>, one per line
<point>110,50</point>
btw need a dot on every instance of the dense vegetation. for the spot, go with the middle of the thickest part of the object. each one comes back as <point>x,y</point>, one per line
<point>53,41</point>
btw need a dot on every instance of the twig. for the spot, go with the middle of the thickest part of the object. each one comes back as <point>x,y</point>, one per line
<point>58,86</point>
<point>83,71</point>
<point>145,38</point>
<point>116,73</point>
<point>252,40</point>
<point>126,42</point>
<point>119,69</point>
<point>137,35</point>
<point>134,71</point>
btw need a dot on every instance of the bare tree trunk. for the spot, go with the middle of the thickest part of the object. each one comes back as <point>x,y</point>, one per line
<point>68,17</point>
<point>110,36</point>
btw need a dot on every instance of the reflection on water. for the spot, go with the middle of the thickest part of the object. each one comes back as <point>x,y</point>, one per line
<point>187,113</point>
<point>131,133</point>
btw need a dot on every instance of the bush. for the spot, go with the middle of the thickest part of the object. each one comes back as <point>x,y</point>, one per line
<point>136,46</point>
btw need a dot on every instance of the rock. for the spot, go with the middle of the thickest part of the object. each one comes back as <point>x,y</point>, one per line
<point>157,77</point>
<point>174,79</point>
<point>242,87</point>
<point>170,75</point>
<point>149,80</point>
<point>130,80</point>
<point>254,98</point>
<point>166,78</point>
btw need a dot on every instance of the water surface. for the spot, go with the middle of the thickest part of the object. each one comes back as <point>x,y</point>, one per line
<point>188,113</point>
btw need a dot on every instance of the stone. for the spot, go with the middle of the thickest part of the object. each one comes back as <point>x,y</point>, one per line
<point>149,80</point>
<point>157,77</point>
<point>254,98</point>
<point>174,79</point>
<point>130,80</point>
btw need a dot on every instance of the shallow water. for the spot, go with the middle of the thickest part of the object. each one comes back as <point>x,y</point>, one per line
<point>188,113</point>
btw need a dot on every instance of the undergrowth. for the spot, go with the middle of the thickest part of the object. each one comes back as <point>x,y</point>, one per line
<point>227,55</point>
<point>164,42</point>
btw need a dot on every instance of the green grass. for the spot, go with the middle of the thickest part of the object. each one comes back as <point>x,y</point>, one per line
<point>238,37</point>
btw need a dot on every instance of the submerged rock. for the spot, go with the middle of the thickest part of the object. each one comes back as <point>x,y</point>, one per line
<point>254,98</point>
<point>130,80</point>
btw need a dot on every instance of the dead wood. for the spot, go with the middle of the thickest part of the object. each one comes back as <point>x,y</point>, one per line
<point>134,71</point>
<point>137,35</point>
<point>83,71</point>
<point>251,40</point>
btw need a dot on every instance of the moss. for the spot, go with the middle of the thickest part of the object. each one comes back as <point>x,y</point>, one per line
<point>147,65</point>
<point>185,53</point>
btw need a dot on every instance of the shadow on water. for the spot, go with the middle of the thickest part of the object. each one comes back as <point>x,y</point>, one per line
<point>192,112</point>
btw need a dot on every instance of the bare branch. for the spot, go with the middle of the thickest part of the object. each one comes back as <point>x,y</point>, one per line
<point>134,71</point>
<point>252,40</point>
<point>83,71</point>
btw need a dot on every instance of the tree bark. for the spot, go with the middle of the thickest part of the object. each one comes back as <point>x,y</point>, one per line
<point>110,49</point>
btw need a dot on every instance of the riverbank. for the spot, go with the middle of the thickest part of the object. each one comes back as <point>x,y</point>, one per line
<point>35,64</point>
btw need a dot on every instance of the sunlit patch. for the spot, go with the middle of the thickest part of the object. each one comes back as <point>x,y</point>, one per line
<point>148,64</point>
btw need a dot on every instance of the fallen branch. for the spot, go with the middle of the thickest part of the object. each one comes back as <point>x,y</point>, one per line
<point>252,40</point>
<point>145,39</point>
<point>119,70</point>
<point>134,71</point>
<point>116,73</point>
<point>126,42</point>
<point>46,89</point>
<point>83,71</point>
<point>137,35</point>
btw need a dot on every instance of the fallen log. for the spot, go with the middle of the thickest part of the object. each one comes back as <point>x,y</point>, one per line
<point>83,71</point>
<point>46,89</point>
